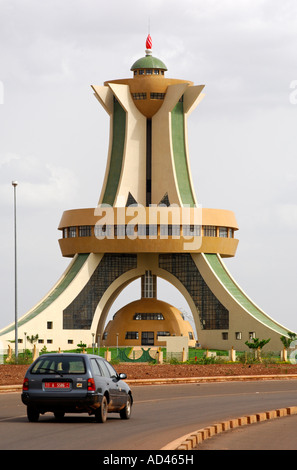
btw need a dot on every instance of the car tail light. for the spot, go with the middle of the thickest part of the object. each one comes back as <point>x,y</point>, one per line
<point>25,385</point>
<point>91,385</point>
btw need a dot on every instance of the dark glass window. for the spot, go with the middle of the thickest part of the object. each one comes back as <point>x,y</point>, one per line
<point>209,231</point>
<point>148,316</point>
<point>53,364</point>
<point>147,338</point>
<point>139,96</point>
<point>212,314</point>
<point>157,96</point>
<point>223,232</point>
<point>79,313</point>
<point>191,230</point>
<point>131,335</point>
<point>72,232</point>
<point>84,231</point>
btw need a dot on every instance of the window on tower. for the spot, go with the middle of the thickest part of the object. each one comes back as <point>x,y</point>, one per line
<point>84,231</point>
<point>209,231</point>
<point>157,96</point>
<point>223,232</point>
<point>139,96</point>
<point>72,232</point>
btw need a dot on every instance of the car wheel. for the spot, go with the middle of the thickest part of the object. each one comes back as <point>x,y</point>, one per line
<point>101,413</point>
<point>32,414</point>
<point>125,413</point>
<point>59,415</point>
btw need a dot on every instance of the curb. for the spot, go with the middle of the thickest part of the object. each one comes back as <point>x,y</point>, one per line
<point>10,388</point>
<point>227,378</point>
<point>192,440</point>
<point>185,380</point>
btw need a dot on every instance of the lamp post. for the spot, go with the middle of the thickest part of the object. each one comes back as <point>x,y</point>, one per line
<point>98,345</point>
<point>14,184</point>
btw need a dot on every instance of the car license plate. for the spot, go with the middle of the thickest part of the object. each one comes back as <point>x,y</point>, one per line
<point>57,385</point>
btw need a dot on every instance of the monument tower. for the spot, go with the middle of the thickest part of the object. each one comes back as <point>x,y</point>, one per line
<point>148,224</point>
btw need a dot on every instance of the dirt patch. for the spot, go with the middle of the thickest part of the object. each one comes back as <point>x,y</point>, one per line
<point>14,374</point>
<point>143,371</point>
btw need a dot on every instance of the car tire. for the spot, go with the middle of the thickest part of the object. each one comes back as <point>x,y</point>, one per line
<point>101,413</point>
<point>125,413</point>
<point>32,414</point>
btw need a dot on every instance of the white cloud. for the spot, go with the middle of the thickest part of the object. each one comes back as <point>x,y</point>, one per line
<point>286,215</point>
<point>39,184</point>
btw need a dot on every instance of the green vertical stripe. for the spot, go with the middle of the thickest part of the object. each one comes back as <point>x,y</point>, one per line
<point>179,154</point>
<point>116,159</point>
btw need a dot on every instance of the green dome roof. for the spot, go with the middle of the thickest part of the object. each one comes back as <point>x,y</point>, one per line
<point>148,62</point>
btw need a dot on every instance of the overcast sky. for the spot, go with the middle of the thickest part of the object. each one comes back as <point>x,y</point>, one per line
<point>242,138</point>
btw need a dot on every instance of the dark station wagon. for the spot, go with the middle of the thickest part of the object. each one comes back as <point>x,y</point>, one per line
<point>75,383</point>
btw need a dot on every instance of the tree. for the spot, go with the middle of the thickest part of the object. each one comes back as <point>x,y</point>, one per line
<point>257,345</point>
<point>32,339</point>
<point>288,340</point>
<point>81,346</point>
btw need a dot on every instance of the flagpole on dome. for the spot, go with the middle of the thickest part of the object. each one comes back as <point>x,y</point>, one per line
<point>148,45</point>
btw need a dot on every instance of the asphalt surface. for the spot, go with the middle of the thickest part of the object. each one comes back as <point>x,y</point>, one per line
<point>161,414</point>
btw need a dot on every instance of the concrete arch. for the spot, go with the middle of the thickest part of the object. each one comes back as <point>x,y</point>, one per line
<point>117,286</point>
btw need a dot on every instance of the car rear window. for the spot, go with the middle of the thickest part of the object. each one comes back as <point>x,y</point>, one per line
<point>59,365</point>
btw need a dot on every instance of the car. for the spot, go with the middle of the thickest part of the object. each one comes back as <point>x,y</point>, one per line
<point>75,383</point>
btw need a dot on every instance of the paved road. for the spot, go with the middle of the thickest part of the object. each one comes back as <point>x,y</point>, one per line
<point>161,414</point>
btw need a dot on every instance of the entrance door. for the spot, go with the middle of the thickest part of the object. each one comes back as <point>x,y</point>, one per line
<point>147,338</point>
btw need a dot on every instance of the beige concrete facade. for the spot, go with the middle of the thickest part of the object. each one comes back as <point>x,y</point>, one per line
<point>148,164</point>
<point>132,177</point>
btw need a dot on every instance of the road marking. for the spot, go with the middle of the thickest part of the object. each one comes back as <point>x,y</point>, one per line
<point>13,417</point>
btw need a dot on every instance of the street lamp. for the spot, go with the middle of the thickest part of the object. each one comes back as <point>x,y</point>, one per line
<point>14,184</point>
<point>98,345</point>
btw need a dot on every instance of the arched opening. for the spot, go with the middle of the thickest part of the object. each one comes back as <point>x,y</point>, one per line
<point>165,314</point>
